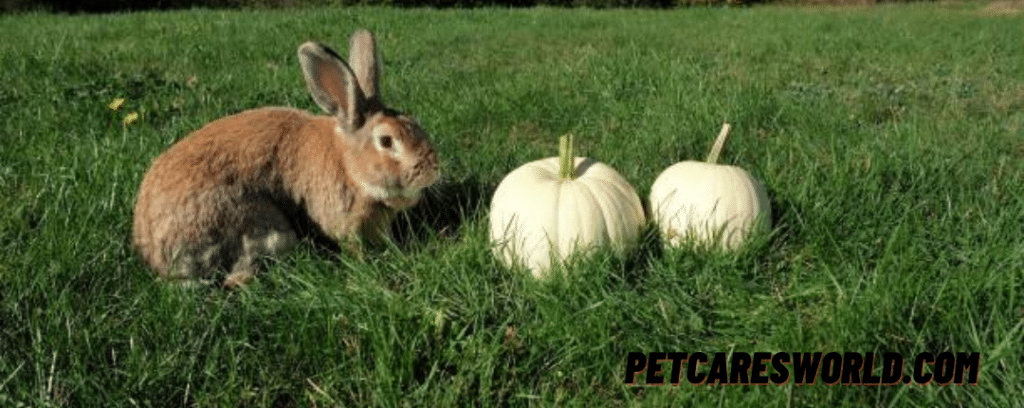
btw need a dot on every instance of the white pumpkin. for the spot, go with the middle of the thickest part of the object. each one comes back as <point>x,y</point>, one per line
<point>550,209</point>
<point>709,203</point>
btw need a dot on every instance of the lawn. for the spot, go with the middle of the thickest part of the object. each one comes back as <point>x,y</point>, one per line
<point>890,139</point>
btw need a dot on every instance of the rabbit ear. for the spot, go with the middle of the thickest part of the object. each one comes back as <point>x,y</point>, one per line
<point>333,85</point>
<point>365,60</point>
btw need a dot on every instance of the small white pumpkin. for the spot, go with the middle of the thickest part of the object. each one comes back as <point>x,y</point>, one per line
<point>708,203</point>
<point>553,208</point>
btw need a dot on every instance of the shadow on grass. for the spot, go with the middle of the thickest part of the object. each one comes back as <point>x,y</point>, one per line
<point>442,212</point>
<point>636,265</point>
<point>786,216</point>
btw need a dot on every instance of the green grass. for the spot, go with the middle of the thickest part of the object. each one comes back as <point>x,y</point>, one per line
<point>890,140</point>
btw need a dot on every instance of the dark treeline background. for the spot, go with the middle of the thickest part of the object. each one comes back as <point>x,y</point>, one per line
<point>106,6</point>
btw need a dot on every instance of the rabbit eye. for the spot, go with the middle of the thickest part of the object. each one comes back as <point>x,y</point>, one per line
<point>385,142</point>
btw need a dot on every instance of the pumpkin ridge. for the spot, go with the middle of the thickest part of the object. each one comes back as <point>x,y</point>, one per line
<point>597,201</point>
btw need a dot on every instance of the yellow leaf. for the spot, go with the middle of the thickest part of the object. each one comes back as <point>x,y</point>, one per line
<point>129,118</point>
<point>116,104</point>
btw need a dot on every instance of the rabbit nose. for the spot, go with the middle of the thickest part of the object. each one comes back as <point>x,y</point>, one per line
<point>435,166</point>
<point>434,163</point>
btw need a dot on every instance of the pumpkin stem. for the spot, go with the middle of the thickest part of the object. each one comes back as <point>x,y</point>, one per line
<point>566,167</point>
<point>719,144</point>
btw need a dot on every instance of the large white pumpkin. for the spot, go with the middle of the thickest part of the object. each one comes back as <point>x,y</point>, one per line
<point>694,201</point>
<point>550,209</point>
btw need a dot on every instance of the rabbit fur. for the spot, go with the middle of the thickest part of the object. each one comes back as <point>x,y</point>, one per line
<point>249,185</point>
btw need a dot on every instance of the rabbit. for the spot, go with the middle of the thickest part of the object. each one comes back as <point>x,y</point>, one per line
<point>251,184</point>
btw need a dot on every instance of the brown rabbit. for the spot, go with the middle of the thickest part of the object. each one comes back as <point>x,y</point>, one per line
<point>248,185</point>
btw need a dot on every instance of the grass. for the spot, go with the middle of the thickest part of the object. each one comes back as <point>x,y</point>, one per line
<point>889,138</point>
